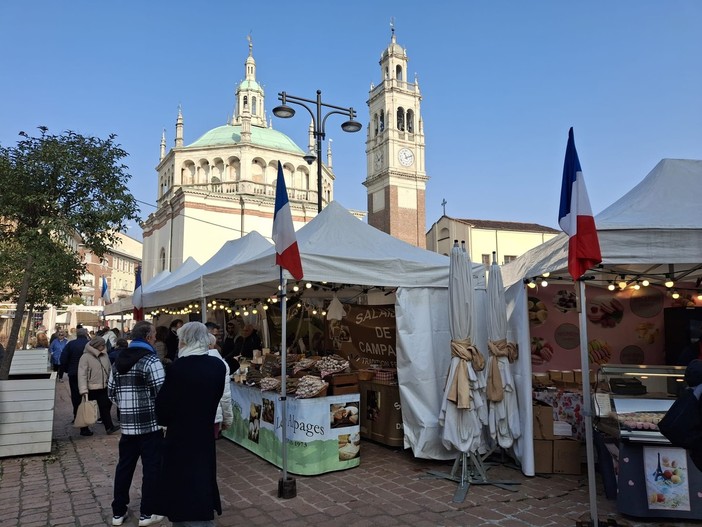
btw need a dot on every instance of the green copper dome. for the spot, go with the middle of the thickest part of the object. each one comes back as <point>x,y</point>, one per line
<point>231,135</point>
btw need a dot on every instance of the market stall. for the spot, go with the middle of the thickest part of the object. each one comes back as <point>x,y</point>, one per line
<point>653,232</point>
<point>345,257</point>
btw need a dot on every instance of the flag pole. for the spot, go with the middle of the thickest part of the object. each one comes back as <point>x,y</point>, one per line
<point>287,487</point>
<point>587,404</point>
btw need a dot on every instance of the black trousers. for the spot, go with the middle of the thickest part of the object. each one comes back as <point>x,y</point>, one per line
<point>75,394</point>
<point>131,448</point>
<point>104,405</point>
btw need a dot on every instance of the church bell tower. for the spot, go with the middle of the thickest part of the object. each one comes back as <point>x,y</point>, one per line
<point>396,177</point>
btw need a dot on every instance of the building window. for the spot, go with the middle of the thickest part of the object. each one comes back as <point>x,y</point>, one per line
<point>509,258</point>
<point>410,121</point>
<point>162,257</point>
<point>401,119</point>
<point>382,121</point>
<point>398,72</point>
<point>486,260</point>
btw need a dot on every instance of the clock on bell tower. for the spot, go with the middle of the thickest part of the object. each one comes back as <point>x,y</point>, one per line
<point>396,178</point>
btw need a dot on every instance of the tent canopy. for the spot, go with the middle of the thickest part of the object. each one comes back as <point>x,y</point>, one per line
<point>188,286</point>
<point>653,226</point>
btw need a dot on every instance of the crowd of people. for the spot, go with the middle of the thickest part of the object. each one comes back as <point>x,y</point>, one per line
<point>170,387</point>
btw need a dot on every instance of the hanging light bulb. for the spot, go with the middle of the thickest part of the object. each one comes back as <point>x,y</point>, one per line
<point>645,282</point>
<point>265,307</point>
<point>314,311</point>
<point>622,283</point>
<point>546,274</point>
<point>254,311</point>
<point>699,295</point>
<point>237,312</point>
<point>531,284</point>
<point>668,282</point>
<point>675,294</point>
<point>308,285</point>
<point>637,286</point>
<point>544,283</point>
<point>324,313</point>
<point>296,288</point>
<point>611,286</point>
<point>299,304</point>
<point>246,313</point>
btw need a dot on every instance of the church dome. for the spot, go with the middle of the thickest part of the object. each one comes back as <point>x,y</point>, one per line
<point>231,135</point>
<point>250,85</point>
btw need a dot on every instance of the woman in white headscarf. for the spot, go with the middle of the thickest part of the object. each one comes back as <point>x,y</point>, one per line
<point>187,406</point>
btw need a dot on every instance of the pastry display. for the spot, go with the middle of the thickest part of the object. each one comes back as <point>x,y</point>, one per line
<point>605,311</point>
<point>538,313</point>
<point>599,351</point>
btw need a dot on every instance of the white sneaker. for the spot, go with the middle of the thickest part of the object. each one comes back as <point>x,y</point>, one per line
<point>119,520</point>
<point>149,520</point>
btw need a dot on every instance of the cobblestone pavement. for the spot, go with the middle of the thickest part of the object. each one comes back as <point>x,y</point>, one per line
<point>73,486</point>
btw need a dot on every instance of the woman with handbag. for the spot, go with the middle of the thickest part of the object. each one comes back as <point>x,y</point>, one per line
<point>93,373</point>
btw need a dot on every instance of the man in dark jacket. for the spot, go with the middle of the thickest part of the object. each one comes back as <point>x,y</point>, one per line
<point>70,357</point>
<point>172,340</point>
<point>135,379</point>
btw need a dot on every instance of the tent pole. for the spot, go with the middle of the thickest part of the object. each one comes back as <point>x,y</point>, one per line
<point>587,404</point>
<point>286,485</point>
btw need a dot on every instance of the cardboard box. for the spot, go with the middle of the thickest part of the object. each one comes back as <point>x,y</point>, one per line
<point>562,429</point>
<point>567,376</point>
<point>567,456</point>
<point>543,456</point>
<point>543,421</point>
<point>555,375</point>
<point>344,389</point>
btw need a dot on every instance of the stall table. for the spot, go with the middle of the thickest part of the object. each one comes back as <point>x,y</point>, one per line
<point>323,433</point>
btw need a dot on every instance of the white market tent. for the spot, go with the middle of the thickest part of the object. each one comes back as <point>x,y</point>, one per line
<point>654,229</point>
<point>189,286</point>
<point>338,248</point>
<point>124,305</point>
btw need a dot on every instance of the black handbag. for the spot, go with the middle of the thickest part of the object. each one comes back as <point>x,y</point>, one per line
<point>682,424</point>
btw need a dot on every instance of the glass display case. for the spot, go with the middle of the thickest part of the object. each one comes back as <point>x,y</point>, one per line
<point>630,400</point>
<point>653,478</point>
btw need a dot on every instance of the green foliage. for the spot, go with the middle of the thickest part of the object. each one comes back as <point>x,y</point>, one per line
<point>54,187</point>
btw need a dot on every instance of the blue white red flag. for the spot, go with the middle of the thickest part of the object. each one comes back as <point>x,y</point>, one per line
<point>575,216</point>
<point>287,253</point>
<point>136,297</point>
<point>105,293</point>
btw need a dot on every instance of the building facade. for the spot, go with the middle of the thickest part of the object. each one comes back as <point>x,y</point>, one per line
<point>396,177</point>
<point>222,186</point>
<point>118,267</point>
<point>483,237</point>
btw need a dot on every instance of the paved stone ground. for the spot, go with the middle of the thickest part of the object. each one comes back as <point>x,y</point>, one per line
<point>72,486</point>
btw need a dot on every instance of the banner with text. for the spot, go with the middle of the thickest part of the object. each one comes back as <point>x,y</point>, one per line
<point>366,335</point>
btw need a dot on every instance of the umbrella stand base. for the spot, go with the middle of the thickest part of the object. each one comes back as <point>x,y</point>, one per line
<point>489,459</point>
<point>468,470</point>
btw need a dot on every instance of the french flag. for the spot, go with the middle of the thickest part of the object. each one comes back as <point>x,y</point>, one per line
<point>575,216</point>
<point>287,255</point>
<point>137,302</point>
<point>105,294</point>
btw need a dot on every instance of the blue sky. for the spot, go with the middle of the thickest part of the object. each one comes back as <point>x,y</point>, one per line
<point>501,83</point>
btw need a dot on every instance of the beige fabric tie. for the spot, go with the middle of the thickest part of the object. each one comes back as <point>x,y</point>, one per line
<point>498,348</point>
<point>459,391</point>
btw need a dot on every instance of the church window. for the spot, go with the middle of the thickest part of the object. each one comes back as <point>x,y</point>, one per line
<point>162,259</point>
<point>400,119</point>
<point>375,123</point>
<point>398,72</point>
<point>246,101</point>
<point>387,73</point>
<point>253,105</point>
<point>410,121</point>
<point>382,121</point>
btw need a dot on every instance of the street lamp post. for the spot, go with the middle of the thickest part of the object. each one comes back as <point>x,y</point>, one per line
<point>318,124</point>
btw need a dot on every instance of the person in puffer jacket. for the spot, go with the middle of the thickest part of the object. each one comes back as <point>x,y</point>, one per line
<point>93,374</point>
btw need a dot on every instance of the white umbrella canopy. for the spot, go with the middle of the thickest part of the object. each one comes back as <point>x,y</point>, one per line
<point>503,417</point>
<point>463,410</point>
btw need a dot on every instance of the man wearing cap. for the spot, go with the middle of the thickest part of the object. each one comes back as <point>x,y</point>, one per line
<point>70,357</point>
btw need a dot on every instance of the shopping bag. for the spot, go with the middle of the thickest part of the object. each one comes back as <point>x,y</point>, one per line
<point>87,413</point>
<point>682,423</point>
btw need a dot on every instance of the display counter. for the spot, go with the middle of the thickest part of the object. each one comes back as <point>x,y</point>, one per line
<point>381,412</point>
<point>655,480</point>
<point>323,433</point>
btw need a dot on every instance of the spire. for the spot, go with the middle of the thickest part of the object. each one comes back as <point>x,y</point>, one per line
<point>179,128</point>
<point>163,145</point>
<point>249,94</point>
<point>329,154</point>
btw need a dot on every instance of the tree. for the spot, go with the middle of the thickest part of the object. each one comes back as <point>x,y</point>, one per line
<point>53,187</point>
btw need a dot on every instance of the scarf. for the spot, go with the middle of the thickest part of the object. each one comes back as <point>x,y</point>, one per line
<point>459,391</point>
<point>194,348</point>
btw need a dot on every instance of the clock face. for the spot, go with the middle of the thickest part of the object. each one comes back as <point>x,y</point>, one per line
<point>406,157</point>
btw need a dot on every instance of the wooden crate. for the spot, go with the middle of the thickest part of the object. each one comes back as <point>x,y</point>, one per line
<point>343,383</point>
